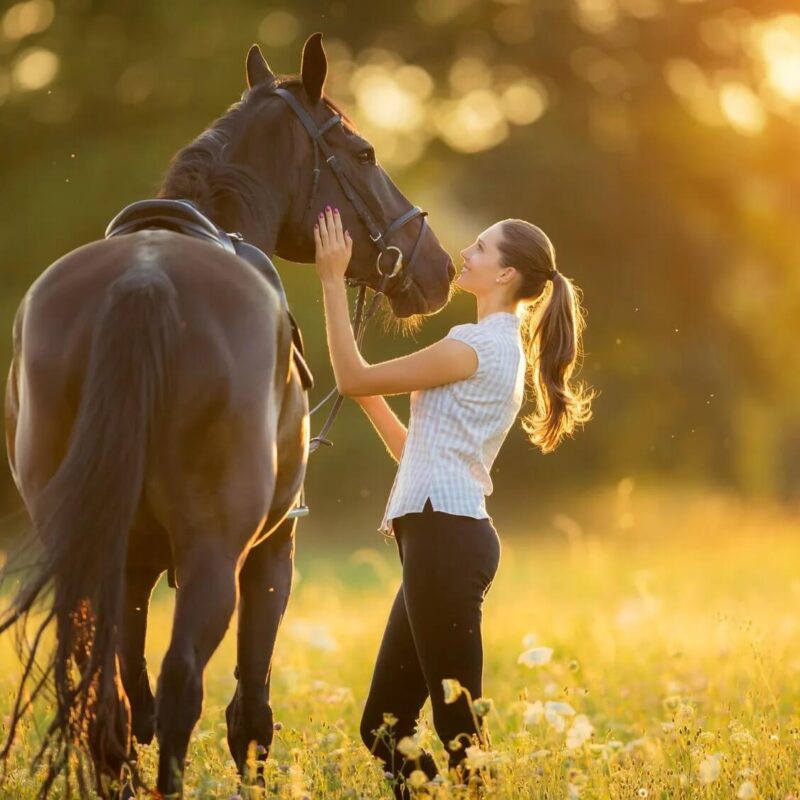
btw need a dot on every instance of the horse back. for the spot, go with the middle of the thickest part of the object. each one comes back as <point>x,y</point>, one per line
<point>228,377</point>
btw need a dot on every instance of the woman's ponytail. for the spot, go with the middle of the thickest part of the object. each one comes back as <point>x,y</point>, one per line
<point>552,330</point>
<point>552,339</point>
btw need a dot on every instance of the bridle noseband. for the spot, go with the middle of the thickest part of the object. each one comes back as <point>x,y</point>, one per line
<point>380,238</point>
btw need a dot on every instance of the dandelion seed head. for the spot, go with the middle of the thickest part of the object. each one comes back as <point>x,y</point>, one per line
<point>536,656</point>
<point>746,791</point>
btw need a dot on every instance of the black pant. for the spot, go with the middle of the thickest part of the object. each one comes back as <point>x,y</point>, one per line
<point>433,632</point>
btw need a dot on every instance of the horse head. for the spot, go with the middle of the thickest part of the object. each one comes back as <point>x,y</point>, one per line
<point>283,153</point>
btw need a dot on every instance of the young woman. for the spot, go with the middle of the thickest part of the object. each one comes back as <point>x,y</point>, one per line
<point>466,391</point>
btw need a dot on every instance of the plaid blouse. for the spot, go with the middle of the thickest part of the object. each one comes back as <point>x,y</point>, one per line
<point>455,430</point>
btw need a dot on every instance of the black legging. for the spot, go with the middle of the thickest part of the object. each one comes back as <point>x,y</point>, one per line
<point>433,632</point>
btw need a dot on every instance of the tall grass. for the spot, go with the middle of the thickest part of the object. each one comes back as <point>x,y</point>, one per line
<point>645,645</point>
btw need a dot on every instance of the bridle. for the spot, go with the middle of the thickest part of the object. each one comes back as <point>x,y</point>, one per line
<point>380,238</point>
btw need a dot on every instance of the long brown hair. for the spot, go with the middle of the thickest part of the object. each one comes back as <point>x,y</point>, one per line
<point>551,333</point>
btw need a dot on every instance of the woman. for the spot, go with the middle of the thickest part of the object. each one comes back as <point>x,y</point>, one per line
<point>466,390</point>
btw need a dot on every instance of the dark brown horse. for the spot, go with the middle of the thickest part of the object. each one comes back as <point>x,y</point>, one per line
<point>154,421</point>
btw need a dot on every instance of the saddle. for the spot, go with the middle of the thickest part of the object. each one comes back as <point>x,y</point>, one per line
<point>182,216</point>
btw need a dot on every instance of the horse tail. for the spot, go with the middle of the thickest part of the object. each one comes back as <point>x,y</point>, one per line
<point>84,516</point>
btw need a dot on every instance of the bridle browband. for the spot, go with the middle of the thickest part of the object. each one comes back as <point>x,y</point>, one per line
<point>380,238</point>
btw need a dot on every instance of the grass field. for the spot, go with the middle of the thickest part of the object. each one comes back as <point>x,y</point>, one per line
<point>675,634</point>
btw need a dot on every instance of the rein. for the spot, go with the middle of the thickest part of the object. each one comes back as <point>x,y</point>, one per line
<point>378,237</point>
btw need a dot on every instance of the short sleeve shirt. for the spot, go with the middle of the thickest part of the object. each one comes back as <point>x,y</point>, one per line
<point>455,430</point>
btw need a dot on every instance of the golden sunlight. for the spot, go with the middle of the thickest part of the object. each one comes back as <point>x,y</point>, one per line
<point>778,43</point>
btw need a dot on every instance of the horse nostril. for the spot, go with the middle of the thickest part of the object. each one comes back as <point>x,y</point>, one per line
<point>451,270</point>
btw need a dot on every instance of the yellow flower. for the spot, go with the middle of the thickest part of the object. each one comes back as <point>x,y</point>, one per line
<point>417,779</point>
<point>452,690</point>
<point>409,747</point>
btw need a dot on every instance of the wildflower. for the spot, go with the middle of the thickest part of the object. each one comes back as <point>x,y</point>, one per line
<point>534,713</point>
<point>641,792</point>
<point>743,738</point>
<point>477,758</point>
<point>671,703</point>
<point>709,768</point>
<point>409,747</point>
<point>389,719</point>
<point>684,714</point>
<point>579,732</point>
<point>555,712</point>
<point>530,640</point>
<point>452,690</point>
<point>482,706</point>
<point>746,791</point>
<point>417,779</point>
<point>536,656</point>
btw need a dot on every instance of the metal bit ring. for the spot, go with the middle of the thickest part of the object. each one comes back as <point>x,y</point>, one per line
<point>398,264</point>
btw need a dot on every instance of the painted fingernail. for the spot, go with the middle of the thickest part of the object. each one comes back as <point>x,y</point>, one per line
<point>335,210</point>
<point>327,208</point>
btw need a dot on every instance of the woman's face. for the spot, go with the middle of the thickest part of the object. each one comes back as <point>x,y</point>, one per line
<point>481,267</point>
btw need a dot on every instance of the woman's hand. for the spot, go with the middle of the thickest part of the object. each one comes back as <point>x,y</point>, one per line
<point>334,247</point>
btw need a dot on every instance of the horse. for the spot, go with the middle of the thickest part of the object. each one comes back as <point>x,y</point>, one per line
<point>155,420</point>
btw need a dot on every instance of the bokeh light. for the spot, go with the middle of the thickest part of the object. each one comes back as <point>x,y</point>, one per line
<point>34,68</point>
<point>524,102</point>
<point>472,123</point>
<point>778,42</point>
<point>742,108</point>
<point>279,28</point>
<point>27,18</point>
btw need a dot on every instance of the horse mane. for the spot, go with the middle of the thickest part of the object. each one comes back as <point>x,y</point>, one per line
<point>230,194</point>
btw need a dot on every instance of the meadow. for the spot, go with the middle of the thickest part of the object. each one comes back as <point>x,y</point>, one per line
<point>645,645</point>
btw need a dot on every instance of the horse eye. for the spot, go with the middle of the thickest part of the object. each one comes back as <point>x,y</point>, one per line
<point>367,156</point>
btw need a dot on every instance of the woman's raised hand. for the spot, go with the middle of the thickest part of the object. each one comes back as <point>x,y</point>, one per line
<point>334,247</point>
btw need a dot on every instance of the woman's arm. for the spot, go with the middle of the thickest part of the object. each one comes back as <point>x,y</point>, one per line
<point>445,361</point>
<point>385,421</point>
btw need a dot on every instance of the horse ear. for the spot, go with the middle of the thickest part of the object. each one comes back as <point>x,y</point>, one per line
<point>314,67</point>
<point>258,70</point>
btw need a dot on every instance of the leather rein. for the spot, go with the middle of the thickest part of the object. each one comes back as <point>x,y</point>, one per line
<point>380,238</point>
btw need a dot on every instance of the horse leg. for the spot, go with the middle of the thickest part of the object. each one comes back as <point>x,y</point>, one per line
<point>206,598</point>
<point>264,585</point>
<point>138,586</point>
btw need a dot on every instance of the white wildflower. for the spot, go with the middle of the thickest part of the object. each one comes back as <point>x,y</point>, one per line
<point>747,791</point>
<point>536,656</point>
<point>709,768</point>
<point>534,713</point>
<point>555,713</point>
<point>579,732</point>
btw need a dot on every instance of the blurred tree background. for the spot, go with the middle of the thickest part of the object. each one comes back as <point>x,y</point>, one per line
<point>656,141</point>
